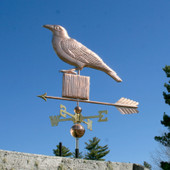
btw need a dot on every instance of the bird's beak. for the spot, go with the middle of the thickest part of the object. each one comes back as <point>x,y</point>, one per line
<point>50,27</point>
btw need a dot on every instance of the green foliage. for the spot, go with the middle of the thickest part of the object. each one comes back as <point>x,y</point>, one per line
<point>167,70</point>
<point>147,165</point>
<point>95,151</point>
<point>167,86</point>
<point>166,121</point>
<point>165,139</point>
<point>65,151</point>
<point>165,165</point>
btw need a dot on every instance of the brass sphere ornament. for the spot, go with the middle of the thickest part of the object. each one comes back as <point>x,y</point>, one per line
<point>77,130</point>
<point>78,109</point>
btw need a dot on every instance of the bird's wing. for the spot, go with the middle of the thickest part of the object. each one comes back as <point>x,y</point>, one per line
<point>81,53</point>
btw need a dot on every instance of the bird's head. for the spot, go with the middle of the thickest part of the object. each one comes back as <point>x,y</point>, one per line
<point>57,30</point>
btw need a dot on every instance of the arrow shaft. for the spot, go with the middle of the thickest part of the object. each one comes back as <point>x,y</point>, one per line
<point>92,102</point>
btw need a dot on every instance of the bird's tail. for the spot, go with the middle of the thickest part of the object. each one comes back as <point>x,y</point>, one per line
<point>104,67</point>
<point>114,76</point>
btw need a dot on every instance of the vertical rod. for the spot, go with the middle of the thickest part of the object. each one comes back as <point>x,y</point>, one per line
<point>77,148</point>
<point>60,149</point>
<point>78,99</point>
<point>77,102</point>
<point>78,72</point>
<point>77,139</point>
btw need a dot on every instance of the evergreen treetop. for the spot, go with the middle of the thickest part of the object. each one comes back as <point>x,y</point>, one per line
<point>95,151</point>
<point>165,138</point>
<point>65,151</point>
<point>167,86</point>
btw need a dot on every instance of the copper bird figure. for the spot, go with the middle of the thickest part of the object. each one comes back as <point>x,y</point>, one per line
<point>73,52</point>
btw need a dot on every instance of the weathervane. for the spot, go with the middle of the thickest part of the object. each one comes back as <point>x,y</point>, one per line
<point>76,87</point>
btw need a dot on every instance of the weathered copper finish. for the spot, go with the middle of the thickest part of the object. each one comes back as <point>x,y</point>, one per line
<point>74,53</point>
<point>76,86</point>
<point>77,131</point>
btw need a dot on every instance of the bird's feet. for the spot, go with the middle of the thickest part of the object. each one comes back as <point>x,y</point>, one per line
<point>71,71</point>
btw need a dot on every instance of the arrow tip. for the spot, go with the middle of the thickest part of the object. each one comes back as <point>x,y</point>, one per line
<point>43,96</point>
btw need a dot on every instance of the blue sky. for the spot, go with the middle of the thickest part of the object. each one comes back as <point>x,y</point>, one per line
<point>132,37</point>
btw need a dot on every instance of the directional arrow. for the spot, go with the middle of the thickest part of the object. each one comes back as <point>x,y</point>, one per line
<point>124,105</point>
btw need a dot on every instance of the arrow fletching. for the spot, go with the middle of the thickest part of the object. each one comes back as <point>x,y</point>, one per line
<point>127,106</point>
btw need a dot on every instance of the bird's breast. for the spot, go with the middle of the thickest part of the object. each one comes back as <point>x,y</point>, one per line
<point>57,48</point>
<point>56,42</point>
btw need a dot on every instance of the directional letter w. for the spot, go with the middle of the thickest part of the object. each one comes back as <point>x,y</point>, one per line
<point>54,120</point>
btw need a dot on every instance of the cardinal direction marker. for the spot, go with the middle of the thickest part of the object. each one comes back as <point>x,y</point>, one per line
<point>77,117</point>
<point>101,116</point>
<point>63,110</point>
<point>88,123</point>
<point>56,119</point>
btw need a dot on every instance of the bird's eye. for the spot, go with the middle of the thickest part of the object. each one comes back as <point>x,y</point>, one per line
<point>57,28</point>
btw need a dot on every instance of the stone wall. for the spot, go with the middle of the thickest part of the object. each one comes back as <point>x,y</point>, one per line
<point>23,161</point>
